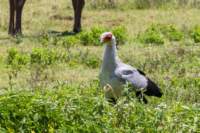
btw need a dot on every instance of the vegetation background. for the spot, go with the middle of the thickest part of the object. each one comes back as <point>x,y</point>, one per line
<point>49,82</point>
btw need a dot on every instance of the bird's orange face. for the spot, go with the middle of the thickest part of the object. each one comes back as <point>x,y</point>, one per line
<point>106,37</point>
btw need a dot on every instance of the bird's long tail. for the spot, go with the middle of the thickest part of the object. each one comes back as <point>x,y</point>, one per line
<point>152,89</point>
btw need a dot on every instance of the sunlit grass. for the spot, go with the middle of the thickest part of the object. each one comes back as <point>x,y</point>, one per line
<point>65,96</point>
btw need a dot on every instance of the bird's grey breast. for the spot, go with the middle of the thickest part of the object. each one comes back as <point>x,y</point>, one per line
<point>113,80</point>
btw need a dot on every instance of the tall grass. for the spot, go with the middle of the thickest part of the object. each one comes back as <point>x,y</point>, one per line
<point>49,83</point>
<point>143,4</point>
<point>74,108</point>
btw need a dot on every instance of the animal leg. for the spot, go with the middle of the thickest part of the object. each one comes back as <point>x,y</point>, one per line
<point>113,101</point>
<point>11,29</point>
<point>19,8</point>
<point>78,7</point>
<point>140,96</point>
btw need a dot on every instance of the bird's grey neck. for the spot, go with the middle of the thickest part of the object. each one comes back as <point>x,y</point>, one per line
<point>110,57</point>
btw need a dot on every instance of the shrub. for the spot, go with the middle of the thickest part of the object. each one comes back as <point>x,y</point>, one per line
<point>70,41</point>
<point>43,56</point>
<point>195,33</point>
<point>16,59</point>
<point>151,35</point>
<point>92,37</point>
<point>92,61</point>
<point>120,33</point>
<point>86,38</point>
<point>15,62</point>
<point>49,39</point>
<point>142,4</point>
<point>171,32</point>
<point>157,32</point>
<point>97,4</point>
<point>146,4</point>
<point>81,109</point>
<point>44,39</point>
<point>11,55</point>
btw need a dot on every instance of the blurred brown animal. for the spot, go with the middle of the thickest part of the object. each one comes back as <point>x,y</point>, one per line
<point>16,8</point>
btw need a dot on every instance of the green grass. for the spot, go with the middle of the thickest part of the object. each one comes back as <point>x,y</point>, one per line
<point>81,109</point>
<point>49,83</point>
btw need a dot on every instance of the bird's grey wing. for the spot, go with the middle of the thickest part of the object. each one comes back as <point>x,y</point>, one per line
<point>139,80</point>
<point>132,76</point>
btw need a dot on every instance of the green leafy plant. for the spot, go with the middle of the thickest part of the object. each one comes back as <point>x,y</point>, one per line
<point>156,34</point>
<point>43,56</point>
<point>92,61</point>
<point>70,41</point>
<point>142,4</point>
<point>151,35</point>
<point>171,32</point>
<point>49,39</point>
<point>120,33</point>
<point>15,61</point>
<point>76,109</point>
<point>195,34</point>
<point>92,37</point>
<point>41,59</point>
<point>97,4</point>
<point>146,4</point>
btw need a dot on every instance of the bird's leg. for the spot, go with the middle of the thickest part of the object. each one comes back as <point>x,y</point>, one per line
<point>78,7</point>
<point>19,8</point>
<point>113,101</point>
<point>109,90</point>
<point>140,96</point>
<point>12,19</point>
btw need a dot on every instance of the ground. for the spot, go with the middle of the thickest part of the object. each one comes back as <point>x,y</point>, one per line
<point>66,95</point>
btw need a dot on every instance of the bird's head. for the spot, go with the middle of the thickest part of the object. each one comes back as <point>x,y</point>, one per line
<point>107,37</point>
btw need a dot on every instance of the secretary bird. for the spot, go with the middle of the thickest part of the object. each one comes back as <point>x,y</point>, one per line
<point>114,74</point>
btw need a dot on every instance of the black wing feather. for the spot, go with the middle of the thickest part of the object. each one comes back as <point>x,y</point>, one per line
<point>141,72</point>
